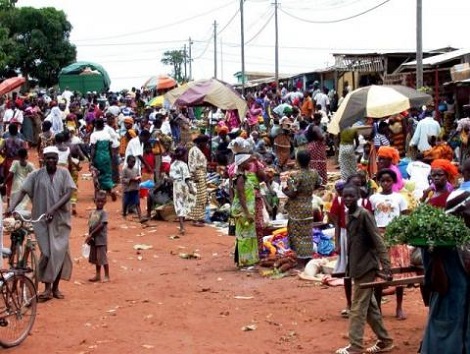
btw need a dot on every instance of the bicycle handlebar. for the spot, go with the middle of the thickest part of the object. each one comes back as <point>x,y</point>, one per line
<point>31,220</point>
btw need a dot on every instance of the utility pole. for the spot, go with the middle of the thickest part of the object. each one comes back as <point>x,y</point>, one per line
<point>190,61</point>
<point>276,46</point>
<point>419,44</point>
<point>215,49</point>
<point>185,57</point>
<point>242,39</point>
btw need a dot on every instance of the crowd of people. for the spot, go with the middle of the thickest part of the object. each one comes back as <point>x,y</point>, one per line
<point>279,151</point>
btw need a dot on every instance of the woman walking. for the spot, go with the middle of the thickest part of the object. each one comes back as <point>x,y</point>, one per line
<point>299,206</point>
<point>101,153</point>
<point>243,210</point>
<point>183,189</point>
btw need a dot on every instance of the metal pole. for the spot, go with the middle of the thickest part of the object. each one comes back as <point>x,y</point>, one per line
<point>419,44</point>
<point>190,60</point>
<point>185,57</point>
<point>215,49</point>
<point>242,39</point>
<point>276,46</point>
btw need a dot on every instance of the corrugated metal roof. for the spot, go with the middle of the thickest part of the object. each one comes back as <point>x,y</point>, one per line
<point>441,58</point>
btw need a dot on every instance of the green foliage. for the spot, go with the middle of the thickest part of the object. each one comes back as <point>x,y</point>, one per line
<point>40,42</point>
<point>428,226</point>
<point>176,59</point>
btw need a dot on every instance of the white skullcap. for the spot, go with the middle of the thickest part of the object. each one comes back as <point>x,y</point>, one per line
<point>51,150</point>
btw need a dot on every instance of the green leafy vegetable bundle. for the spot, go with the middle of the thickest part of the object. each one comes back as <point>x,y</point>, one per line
<point>427,226</point>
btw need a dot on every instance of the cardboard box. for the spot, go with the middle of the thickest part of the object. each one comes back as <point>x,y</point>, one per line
<point>460,72</point>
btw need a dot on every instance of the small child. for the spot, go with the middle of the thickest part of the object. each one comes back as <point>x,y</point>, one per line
<point>98,238</point>
<point>365,250</point>
<point>19,170</point>
<point>130,179</point>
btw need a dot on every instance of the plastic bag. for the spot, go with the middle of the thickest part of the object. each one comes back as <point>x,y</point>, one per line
<point>85,250</point>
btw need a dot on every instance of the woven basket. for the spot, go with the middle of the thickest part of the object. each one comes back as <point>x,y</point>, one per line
<point>166,212</point>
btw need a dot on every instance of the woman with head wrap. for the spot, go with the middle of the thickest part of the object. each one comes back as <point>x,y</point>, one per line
<point>446,286</point>
<point>388,158</point>
<point>443,176</point>
<point>129,133</point>
<point>254,172</point>
<point>299,190</point>
<point>183,188</point>
<point>243,211</point>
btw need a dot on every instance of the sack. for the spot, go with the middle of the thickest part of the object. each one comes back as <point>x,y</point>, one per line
<point>85,250</point>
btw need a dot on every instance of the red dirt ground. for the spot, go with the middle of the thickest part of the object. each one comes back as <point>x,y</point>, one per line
<point>158,302</point>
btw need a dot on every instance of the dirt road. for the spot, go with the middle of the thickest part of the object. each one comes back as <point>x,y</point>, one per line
<point>158,302</point>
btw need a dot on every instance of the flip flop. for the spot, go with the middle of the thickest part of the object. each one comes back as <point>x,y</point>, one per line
<point>58,295</point>
<point>45,296</point>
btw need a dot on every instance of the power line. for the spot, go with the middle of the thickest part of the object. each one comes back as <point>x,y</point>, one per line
<point>318,7</point>
<point>209,41</point>
<point>132,43</point>
<point>260,30</point>
<point>338,20</point>
<point>159,27</point>
<point>229,22</point>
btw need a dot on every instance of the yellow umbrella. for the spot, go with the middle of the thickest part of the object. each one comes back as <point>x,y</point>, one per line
<point>157,101</point>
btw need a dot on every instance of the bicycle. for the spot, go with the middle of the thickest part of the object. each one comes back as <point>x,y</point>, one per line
<point>18,305</point>
<point>23,256</point>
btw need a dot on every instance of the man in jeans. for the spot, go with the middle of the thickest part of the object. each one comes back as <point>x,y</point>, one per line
<point>365,249</point>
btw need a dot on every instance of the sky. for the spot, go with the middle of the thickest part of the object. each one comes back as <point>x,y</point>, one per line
<point>129,37</point>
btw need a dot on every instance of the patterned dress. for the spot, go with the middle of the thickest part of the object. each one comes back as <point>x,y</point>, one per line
<point>197,163</point>
<point>299,207</point>
<point>317,150</point>
<point>246,243</point>
<point>183,200</point>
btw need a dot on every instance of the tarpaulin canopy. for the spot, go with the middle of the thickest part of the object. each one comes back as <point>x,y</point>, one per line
<point>211,91</point>
<point>78,67</point>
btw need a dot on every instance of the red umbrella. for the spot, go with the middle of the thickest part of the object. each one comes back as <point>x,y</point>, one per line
<point>161,82</point>
<point>10,84</point>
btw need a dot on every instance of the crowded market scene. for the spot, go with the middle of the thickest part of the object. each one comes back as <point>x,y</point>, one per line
<point>278,213</point>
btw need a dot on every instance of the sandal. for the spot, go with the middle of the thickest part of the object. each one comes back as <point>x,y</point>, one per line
<point>348,350</point>
<point>45,296</point>
<point>380,347</point>
<point>345,313</point>
<point>58,295</point>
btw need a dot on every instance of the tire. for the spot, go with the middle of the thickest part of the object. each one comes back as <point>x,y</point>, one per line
<point>18,305</point>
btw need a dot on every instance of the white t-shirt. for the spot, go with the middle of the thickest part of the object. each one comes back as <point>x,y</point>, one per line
<point>16,115</point>
<point>387,206</point>
<point>116,141</point>
<point>419,174</point>
<point>322,100</point>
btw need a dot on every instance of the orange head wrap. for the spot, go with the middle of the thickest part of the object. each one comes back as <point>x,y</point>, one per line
<point>223,129</point>
<point>389,152</point>
<point>447,166</point>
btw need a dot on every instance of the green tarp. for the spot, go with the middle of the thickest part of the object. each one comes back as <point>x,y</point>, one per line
<point>79,66</point>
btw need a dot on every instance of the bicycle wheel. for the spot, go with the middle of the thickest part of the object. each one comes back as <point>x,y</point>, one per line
<point>18,310</point>
<point>31,264</point>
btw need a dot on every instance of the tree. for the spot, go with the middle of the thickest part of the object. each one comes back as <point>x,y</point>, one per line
<point>175,58</point>
<point>41,46</point>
